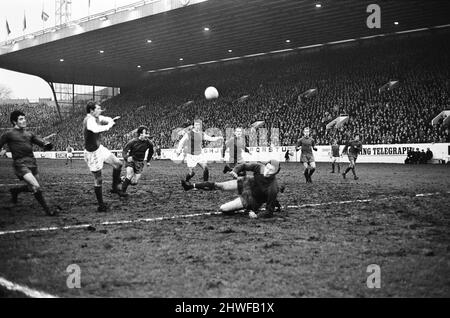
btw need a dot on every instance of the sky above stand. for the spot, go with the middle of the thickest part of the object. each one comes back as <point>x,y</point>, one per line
<point>13,11</point>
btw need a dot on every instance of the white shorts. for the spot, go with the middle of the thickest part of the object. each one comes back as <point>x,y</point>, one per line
<point>193,160</point>
<point>96,159</point>
<point>69,155</point>
<point>336,159</point>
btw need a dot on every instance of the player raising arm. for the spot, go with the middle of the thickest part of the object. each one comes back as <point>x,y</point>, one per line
<point>192,145</point>
<point>96,155</point>
<point>20,142</point>
<point>134,155</point>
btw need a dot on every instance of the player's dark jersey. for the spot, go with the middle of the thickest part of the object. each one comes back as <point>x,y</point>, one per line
<point>20,143</point>
<point>236,146</point>
<point>306,144</point>
<point>136,148</point>
<point>335,150</point>
<point>91,139</point>
<point>353,148</point>
<point>193,145</point>
<point>258,189</point>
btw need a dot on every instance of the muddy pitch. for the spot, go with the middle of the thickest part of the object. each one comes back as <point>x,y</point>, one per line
<point>311,251</point>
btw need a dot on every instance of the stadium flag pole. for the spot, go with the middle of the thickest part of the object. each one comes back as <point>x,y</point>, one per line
<point>42,16</point>
<point>24,22</point>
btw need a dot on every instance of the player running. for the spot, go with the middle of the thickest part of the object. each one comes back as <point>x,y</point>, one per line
<point>253,191</point>
<point>69,155</point>
<point>192,144</point>
<point>134,155</point>
<point>352,148</point>
<point>237,146</point>
<point>20,142</point>
<point>335,156</point>
<point>96,155</point>
<point>307,145</point>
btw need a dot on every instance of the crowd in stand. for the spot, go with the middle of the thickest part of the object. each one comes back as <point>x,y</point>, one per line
<point>347,80</point>
<point>418,156</point>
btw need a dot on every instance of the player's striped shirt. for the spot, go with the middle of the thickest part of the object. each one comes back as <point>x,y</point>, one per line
<point>192,142</point>
<point>237,146</point>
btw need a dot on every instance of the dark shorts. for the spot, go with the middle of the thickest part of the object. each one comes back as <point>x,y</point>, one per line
<point>24,166</point>
<point>248,202</point>
<point>307,158</point>
<point>137,166</point>
<point>352,157</point>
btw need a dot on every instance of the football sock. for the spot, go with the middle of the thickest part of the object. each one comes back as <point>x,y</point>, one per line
<point>205,174</point>
<point>99,195</point>
<point>205,185</point>
<point>306,173</point>
<point>332,167</point>
<point>353,171</point>
<point>116,178</point>
<point>347,170</point>
<point>339,168</point>
<point>40,198</point>
<point>125,184</point>
<point>311,171</point>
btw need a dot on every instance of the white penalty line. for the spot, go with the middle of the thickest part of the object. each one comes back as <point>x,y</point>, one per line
<point>185,216</point>
<point>24,289</point>
<point>107,223</point>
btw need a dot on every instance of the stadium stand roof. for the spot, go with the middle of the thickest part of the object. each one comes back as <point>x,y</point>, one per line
<point>237,28</point>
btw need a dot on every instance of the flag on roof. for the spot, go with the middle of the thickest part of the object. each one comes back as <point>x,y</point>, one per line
<point>44,16</point>
<point>8,30</point>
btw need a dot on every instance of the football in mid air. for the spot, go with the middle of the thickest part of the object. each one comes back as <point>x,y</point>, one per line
<point>211,93</point>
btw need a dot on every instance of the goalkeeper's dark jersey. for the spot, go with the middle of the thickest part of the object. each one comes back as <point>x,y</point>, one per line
<point>256,190</point>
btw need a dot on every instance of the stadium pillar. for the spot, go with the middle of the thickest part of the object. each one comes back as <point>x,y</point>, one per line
<point>56,99</point>
<point>73,98</point>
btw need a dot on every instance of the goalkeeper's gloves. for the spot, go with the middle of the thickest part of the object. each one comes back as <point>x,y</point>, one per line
<point>233,174</point>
